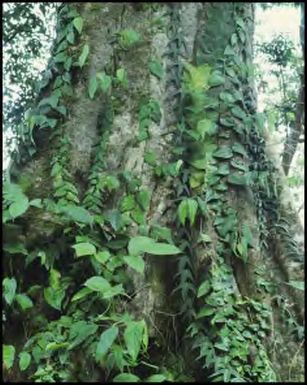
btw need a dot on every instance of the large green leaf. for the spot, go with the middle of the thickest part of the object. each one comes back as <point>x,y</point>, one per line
<point>206,311</point>
<point>183,212</point>
<point>78,214</point>
<point>206,127</point>
<point>92,87</point>
<point>105,81</point>
<point>24,360</point>
<point>216,79</point>
<point>24,301</point>
<point>80,331</point>
<point>203,289</point>
<point>121,75</point>
<point>156,69</point>
<point>197,78</point>
<point>128,37</point>
<point>78,24</point>
<point>84,249</point>
<point>192,209</point>
<point>54,297</point>
<point>187,209</point>
<point>113,291</point>
<point>84,55</point>
<point>8,353</point>
<point>135,262</point>
<point>102,256</point>
<point>19,207</point>
<point>140,244</point>
<point>156,378</point>
<point>133,337</point>
<point>223,153</point>
<point>126,377</point>
<point>9,289</point>
<point>238,179</point>
<point>238,112</point>
<point>81,294</point>
<point>143,198</point>
<point>127,203</point>
<point>97,283</point>
<point>105,342</point>
<point>137,245</point>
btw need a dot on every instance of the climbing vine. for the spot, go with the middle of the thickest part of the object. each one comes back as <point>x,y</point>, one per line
<point>78,317</point>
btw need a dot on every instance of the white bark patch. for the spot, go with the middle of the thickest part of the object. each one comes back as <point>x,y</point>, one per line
<point>189,23</point>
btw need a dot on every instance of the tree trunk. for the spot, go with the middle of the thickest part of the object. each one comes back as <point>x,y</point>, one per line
<point>173,150</point>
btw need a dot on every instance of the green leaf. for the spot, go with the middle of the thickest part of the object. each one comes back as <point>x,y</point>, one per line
<point>113,291</point>
<point>105,81</point>
<point>128,37</point>
<point>127,203</point>
<point>156,378</point>
<point>24,360</point>
<point>121,75</point>
<point>183,212</point>
<point>78,24</point>
<point>143,198</point>
<point>138,245</point>
<point>238,112</point>
<point>19,207</point>
<point>9,289</point>
<point>136,263</point>
<point>239,149</point>
<point>24,301</point>
<point>197,78</point>
<point>105,342</point>
<point>238,179</point>
<point>84,55</point>
<point>203,289</point>
<point>16,248</point>
<point>54,297</point>
<point>300,285</point>
<point>156,69</point>
<point>8,354</point>
<point>150,158</point>
<point>78,214</point>
<point>192,209</point>
<point>53,346</point>
<point>81,293</point>
<point>102,256</point>
<point>84,249</point>
<point>227,97</point>
<point>161,233</point>
<point>223,153</point>
<point>97,284</point>
<point>206,126</point>
<point>133,336</point>
<point>223,170</point>
<point>206,311</point>
<point>216,79</point>
<point>92,88</point>
<point>162,249</point>
<point>126,377</point>
<point>80,331</point>
<point>36,203</point>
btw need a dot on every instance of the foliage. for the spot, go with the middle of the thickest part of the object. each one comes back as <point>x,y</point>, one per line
<point>77,312</point>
